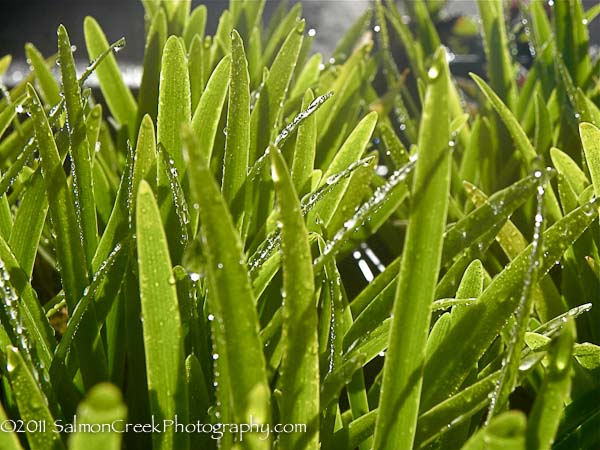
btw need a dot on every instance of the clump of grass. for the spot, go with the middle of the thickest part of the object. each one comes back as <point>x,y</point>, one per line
<point>198,242</point>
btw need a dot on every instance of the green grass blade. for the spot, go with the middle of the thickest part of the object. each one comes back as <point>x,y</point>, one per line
<point>482,322</point>
<point>176,195</point>
<point>155,43</point>
<point>508,374</point>
<point>235,165</point>
<point>83,187</point>
<point>34,323</point>
<point>160,312</point>
<point>109,269</point>
<point>266,114</point>
<point>304,152</point>
<point>103,408</point>
<point>118,97</point>
<point>8,439</point>
<point>520,137</point>
<point>205,121</point>
<point>48,84</point>
<point>349,153</point>
<point>590,137</point>
<point>454,410</point>
<point>569,169</point>
<point>29,222</point>
<point>543,420</point>
<point>31,403</point>
<point>196,70</point>
<point>69,246</point>
<point>419,271</point>
<point>505,431</point>
<point>548,300</point>
<point>6,118</point>
<point>244,387</point>
<point>300,364</point>
<point>282,26</point>
<point>199,399</point>
<point>6,219</point>
<point>195,25</point>
<point>500,70</point>
<point>174,107</point>
<point>138,166</point>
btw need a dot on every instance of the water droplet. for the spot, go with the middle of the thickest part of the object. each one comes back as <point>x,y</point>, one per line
<point>195,277</point>
<point>215,356</point>
<point>312,32</point>
<point>588,209</point>
<point>433,72</point>
<point>210,317</point>
<point>376,28</point>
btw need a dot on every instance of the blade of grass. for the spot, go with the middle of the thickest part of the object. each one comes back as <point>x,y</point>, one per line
<point>500,70</point>
<point>165,369</point>
<point>505,431</point>
<point>69,248</point>
<point>266,114</point>
<point>8,439</point>
<point>304,152</point>
<point>35,325</point>
<point>195,25</point>
<point>31,403</point>
<point>206,117</point>
<point>102,406</point>
<point>29,223</point>
<point>590,137</point>
<point>510,364</point>
<point>350,152</point>
<point>48,84</point>
<point>174,107</point>
<point>196,70</point>
<point>482,322</point>
<point>235,164</point>
<point>244,389</point>
<point>543,420</point>
<point>520,137</point>
<point>155,43</point>
<point>83,187</point>
<point>299,375</point>
<point>402,372</point>
<point>118,97</point>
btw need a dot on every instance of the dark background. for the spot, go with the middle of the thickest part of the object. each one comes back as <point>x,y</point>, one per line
<point>36,21</point>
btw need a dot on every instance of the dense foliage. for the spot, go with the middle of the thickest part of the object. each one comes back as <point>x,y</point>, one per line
<point>192,251</point>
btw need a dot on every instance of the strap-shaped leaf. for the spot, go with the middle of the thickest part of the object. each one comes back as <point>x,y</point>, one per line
<point>402,371</point>
<point>242,378</point>
<point>164,351</point>
<point>235,165</point>
<point>118,97</point>
<point>31,403</point>
<point>69,246</point>
<point>174,105</point>
<point>300,364</point>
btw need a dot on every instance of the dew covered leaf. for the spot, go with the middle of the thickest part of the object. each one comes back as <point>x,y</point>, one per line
<point>118,96</point>
<point>242,381</point>
<point>160,311</point>
<point>402,371</point>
